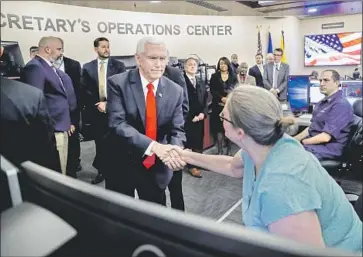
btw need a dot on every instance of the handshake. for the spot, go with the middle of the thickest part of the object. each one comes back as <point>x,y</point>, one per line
<point>170,155</point>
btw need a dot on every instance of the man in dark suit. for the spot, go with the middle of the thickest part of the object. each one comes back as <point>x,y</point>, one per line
<point>175,185</point>
<point>145,114</point>
<point>73,69</point>
<point>26,128</point>
<point>275,76</point>
<point>176,75</point>
<point>257,70</point>
<point>198,110</point>
<point>41,73</point>
<point>94,87</point>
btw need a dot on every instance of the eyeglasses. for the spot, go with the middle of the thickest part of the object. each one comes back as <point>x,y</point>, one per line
<point>221,116</point>
<point>277,54</point>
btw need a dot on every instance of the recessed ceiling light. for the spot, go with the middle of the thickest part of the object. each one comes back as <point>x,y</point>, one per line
<point>311,10</point>
<point>155,2</point>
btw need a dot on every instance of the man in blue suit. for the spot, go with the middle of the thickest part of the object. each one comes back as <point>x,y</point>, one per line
<point>145,114</point>
<point>58,91</point>
<point>94,86</point>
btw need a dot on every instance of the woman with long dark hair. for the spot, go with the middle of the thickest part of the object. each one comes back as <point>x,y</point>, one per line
<point>221,84</point>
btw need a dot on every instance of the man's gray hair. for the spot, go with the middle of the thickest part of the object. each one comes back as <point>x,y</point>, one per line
<point>258,112</point>
<point>147,40</point>
<point>269,55</point>
<point>44,41</point>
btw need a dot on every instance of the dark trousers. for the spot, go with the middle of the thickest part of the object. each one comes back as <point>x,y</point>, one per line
<point>126,180</point>
<point>100,161</point>
<point>176,191</point>
<point>99,129</point>
<point>74,153</point>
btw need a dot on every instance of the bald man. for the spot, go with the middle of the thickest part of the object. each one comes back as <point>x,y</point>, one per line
<point>58,90</point>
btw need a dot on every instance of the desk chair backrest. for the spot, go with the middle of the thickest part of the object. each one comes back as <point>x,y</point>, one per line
<point>358,207</point>
<point>353,152</point>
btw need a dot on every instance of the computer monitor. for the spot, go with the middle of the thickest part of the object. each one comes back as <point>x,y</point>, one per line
<point>111,224</point>
<point>315,95</point>
<point>10,194</point>
<point>352,88</point>
<point>298,93</point>
<point>12,61</point>
<point>128,60</point>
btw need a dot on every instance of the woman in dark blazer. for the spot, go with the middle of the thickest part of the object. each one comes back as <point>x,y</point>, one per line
<point>221,84</point>
<point>194,124</point>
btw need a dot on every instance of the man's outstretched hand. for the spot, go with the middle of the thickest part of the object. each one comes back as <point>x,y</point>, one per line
<point>169,155</point>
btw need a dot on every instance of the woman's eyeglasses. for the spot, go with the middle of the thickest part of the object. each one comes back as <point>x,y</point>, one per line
<point>221,116</point>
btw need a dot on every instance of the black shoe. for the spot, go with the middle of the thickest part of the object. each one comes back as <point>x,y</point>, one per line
<point>79,167</point>
<point>98,179</point>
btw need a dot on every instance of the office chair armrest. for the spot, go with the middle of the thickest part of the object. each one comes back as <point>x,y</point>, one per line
<point>30,230</point>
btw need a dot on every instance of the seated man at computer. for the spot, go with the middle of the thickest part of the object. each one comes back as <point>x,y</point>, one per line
<point>331,120</point>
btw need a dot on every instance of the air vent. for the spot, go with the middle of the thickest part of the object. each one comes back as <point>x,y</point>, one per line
<point>208,5</point>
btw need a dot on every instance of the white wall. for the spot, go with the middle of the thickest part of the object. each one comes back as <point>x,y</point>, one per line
<point>352,23</point>
<point>243,41</point>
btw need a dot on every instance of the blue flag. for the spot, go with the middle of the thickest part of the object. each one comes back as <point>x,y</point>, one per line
<point>269,48</point>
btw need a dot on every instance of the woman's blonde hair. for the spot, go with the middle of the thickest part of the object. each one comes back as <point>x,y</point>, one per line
<point>259,113</point>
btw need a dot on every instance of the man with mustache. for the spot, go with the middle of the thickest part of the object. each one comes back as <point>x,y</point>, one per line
<point>94,87</point>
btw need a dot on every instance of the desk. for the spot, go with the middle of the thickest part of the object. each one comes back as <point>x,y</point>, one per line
<point>293,129</point>
<point>304,120</point>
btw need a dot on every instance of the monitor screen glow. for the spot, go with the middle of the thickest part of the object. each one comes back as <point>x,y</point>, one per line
<point>333,49</point>
<point>315,95</point>
<point>352,89</point>
<point>298,93</point>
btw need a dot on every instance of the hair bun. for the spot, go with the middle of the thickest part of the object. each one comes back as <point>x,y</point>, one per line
<point>278,124</point>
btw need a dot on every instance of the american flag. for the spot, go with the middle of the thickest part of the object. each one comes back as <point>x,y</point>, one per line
<point>259,44</point>
<point>333,49</point>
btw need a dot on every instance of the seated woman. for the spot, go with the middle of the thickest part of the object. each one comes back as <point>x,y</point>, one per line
<point>286,191</point>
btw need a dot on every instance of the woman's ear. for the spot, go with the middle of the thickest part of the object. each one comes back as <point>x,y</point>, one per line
<point>240,133</point>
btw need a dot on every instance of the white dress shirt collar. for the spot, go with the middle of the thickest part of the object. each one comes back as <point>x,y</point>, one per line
<point>145,82</point>
<point>278,64</point>
<point>191,78</point>
<point>105,62</point>
<point>47,61</point>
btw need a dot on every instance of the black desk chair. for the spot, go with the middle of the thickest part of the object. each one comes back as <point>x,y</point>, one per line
<point>358,207</point>
<point>352,156</point>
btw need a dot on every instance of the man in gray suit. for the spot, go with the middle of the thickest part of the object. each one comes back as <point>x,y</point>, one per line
<point>275,76</point>
<point>145,114</point>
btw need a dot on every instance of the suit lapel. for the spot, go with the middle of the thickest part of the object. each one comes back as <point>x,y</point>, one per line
<point>66,65</point>
<point>137,90</point>
<point>95,71</point>
<point>109,68</point>
<point>160,97</point>
<point>52,75</point>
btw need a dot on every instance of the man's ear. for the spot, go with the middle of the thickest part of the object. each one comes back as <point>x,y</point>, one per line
<point>1,51</point>
<point>137,59</point>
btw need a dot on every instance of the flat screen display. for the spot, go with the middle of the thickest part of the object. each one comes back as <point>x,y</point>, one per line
<point>333,49</point>
<point>298,93</point>
<point>315,95</point>
<point>352,89</point>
